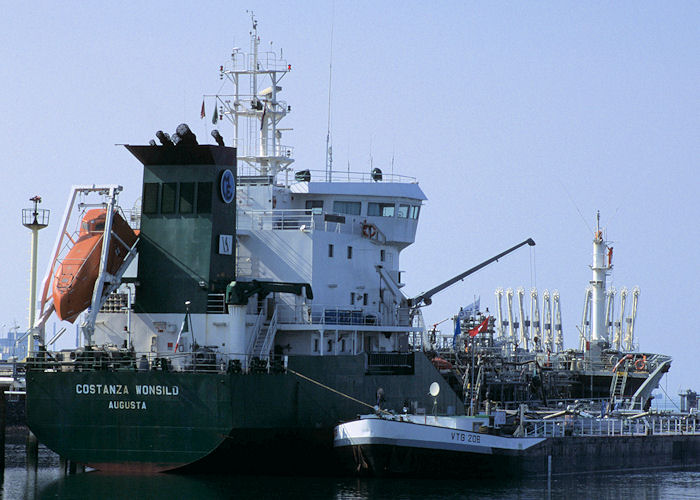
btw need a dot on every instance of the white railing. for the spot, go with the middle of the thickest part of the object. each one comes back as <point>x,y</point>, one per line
<point>643,426</point>
<point>250,153</point>
<point>339,315</point>
<point>349,176</point>
<point>283,219</point>
<point>267,61</point>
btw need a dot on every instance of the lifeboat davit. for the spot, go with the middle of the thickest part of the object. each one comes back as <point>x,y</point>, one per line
<point>75,276</point>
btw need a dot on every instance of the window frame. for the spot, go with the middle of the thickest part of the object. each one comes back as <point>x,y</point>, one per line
<point>184,202</point>
<point>165,197</point>
<point>150,198</point>
<point>341,207</point>
<point>381,209</point>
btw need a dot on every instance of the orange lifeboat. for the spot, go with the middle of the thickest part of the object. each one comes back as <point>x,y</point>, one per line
<point>441,364</point>
<point>75,277</point>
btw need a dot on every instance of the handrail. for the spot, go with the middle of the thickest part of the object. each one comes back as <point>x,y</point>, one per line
<point>279,219</point>
<point>256,331</point>
<point>353,176</point>
<point>204,360</point>
<point>594,427</point>
<point>269,337</point>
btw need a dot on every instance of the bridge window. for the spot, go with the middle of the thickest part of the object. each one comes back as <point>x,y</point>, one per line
<point>167,200</point>
<point>150,197</point>
<point>204,197</point>
<point>413,212</point>
<point>403,211</point>
<point>380,209</point>
<point>186,197</point>
<point>347,207</point>
<point>314,206</point>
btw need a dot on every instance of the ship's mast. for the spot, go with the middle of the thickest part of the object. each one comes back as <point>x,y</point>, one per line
<point>255,111</point>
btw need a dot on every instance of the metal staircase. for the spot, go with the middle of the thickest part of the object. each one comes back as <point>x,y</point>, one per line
<point>263,338</point>
<point>257,329</point>
<point>263,345</point>
<point>617,387</point>
<point>473,393</point>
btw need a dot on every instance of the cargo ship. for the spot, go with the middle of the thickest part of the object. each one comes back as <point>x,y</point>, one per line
<point>259,304</point>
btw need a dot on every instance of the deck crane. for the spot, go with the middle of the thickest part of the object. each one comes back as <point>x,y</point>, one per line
<point>425,298</point>
<point>433,329</point>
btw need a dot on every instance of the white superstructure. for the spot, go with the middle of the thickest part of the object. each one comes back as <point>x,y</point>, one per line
<point>341,233</point>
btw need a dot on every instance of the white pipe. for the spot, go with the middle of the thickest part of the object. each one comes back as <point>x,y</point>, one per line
<point>621,323</point>
<point>629,338</point>
<point>609,313</point>
<point>511,326</point>
<point>535,319</point>
<point>523,322</point>
<point>585,319</point>
<point>559,342</point>
<point>499,313</point>
<point>547,311</point>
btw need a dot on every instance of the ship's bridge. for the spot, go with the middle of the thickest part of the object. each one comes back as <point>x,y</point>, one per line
<point>386,210</point>
<point>341,233</point>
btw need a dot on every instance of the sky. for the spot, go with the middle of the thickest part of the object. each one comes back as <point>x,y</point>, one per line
<point>519,119</point>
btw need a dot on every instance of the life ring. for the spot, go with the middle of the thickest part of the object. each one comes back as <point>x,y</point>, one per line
<point>369,230</point>
<point>641,364</point>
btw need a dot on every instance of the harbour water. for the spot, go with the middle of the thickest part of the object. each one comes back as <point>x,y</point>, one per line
<point>47,480</point>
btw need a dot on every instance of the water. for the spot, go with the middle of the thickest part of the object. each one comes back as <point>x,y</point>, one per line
<point>47,481</point>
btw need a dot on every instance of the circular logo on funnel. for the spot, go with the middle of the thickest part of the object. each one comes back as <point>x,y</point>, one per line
<point>228,186</point>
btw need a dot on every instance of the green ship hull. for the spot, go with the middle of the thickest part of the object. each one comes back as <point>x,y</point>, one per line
<point>154,421</point>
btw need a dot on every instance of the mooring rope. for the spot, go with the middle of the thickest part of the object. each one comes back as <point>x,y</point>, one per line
<point>335,391</point>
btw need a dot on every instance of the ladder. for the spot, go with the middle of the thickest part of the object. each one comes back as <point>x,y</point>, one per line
<point>473,393</point>
<point>263,344</point>
<point>617,387</point>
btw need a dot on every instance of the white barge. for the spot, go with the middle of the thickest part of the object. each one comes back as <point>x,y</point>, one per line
<point>569,441</point>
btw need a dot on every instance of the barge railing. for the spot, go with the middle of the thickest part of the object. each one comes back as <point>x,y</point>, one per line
<point>646,425</point>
